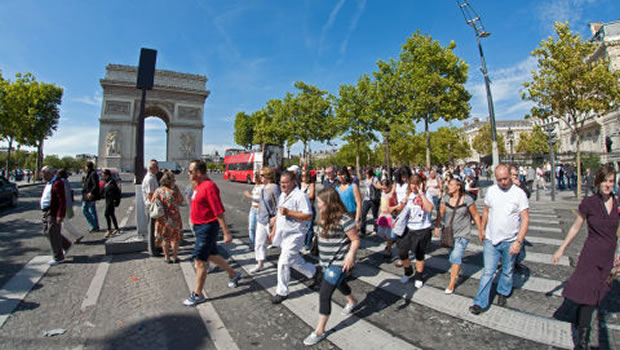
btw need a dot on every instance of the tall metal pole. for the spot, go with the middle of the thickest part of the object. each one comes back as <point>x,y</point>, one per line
<point>139,161</point>
<point>487,85</point>
<point>472,19</point>
<point>552,174</point>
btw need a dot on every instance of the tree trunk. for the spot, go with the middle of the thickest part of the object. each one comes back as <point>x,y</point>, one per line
<point>39,160</point>
<point>577,142</point>
<point>357,160</point>
<point>305,161</point>
<point>428,143</point>
<point>8,157</point>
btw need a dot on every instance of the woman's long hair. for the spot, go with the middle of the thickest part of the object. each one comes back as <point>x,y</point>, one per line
<point>334,210</point>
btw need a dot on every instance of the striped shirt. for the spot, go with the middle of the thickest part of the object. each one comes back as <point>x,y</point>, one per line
<point>336,246</point>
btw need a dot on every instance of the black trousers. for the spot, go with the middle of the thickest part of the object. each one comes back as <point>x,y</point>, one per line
<point>325,295</point>
<point>366,206</point>
<point>58,242</point>
<point>109,215</point>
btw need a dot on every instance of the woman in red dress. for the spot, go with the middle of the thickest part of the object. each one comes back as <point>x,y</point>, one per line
<point>591,280</point>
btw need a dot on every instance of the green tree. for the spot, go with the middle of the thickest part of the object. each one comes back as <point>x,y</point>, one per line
<point>388,104</point>
<point>354,115</point>
<point>53,160</point>
<point>15,107</point>
<point>570,85</point>
<point>310,115</point>
<point>482,141</point>
<point>433,83</point>
<point>448,144</point>
<point>244,130</point>
<point>535,142</point>
<point>271,124</point>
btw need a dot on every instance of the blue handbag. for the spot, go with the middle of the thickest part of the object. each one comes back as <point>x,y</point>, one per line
<point>333,274</point>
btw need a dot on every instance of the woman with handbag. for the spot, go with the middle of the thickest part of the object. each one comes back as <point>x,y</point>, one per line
<point>338,244</point>
<point>458,209</point>
<point>255,197</point>
<point>267,210</point>
<point>169,227</point>
<point>590,282</point>
<point>112,195</point>
<point>417,234</point>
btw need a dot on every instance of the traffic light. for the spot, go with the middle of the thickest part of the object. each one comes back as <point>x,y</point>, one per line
<point>551,138</point>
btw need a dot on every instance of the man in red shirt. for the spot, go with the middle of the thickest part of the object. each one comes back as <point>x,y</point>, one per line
<point>54,206</point>
<point>207,216</point>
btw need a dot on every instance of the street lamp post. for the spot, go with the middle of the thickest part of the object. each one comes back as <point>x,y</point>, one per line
<point>510,135</point>
<point>549,129</point>
<point>472,19</point>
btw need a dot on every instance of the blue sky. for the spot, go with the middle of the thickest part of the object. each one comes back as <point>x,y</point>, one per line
<point>253,51</point>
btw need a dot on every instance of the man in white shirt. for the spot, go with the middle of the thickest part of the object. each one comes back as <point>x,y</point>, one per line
<point>289,231</point>
<point>505,218</point>
<point>149,183</point>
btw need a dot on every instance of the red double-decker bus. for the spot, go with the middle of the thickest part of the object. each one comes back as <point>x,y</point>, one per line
<point>241,165</point>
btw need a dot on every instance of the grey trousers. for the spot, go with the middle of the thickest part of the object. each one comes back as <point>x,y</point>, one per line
<point>58,242</point>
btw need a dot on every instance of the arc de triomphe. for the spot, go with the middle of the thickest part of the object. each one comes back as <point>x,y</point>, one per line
<point>176,98</point>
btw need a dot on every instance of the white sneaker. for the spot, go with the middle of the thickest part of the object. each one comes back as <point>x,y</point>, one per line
<point>257,268</point>
<point>419,284</point>
<point>347,309</point>
<point>449,291</point>
<point>54,262</point>
<point>404,279</point>
<point>313,338</point>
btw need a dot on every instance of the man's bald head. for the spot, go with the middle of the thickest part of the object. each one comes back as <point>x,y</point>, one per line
<point>502,175</point>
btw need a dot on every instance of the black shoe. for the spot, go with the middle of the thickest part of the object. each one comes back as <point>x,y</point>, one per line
<point>316,279</point>
<point>475,309</point>
<point>277,299</point>
<point>501,300</point>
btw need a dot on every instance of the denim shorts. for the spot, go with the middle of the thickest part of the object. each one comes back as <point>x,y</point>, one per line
<point>456,255</point>
<point>206,240</point>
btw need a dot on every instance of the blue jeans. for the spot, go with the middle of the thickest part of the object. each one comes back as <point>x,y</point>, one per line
<point>89,209</point>
<point>456,256</point>
<point>491,254</point>
<point>310,232</point>
<point>252,224</point>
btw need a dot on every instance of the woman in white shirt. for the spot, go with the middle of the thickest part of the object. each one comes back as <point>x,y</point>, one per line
<point>417,235</point>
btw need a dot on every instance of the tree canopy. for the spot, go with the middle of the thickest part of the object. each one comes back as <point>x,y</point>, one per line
<point>570,84</point>
<point>482,142</point>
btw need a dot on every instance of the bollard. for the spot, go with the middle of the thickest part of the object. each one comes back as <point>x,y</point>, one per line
<point>537,192</point>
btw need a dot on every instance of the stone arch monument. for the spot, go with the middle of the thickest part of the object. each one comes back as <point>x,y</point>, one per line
<point>176,98</point>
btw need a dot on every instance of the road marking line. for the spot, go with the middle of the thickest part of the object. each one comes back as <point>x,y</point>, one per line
<point>356,333</point>
<point>544,221</point>
<point>539,329</point>
<point>96,285</point>
<point>215,326</point>
<point>16,289</point>
<point>534,284</point>
<point>126,218</point>
<point>528,238</point>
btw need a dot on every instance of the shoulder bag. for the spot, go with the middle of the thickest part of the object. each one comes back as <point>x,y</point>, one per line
<point>400,223</point>
<point>156,209</point>
<point>333,273</point>
<point>447,236</point>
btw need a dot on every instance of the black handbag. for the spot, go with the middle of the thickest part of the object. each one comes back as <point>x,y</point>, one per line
<point>447,236</point>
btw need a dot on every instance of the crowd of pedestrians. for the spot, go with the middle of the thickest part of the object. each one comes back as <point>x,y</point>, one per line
<point>407,205</point>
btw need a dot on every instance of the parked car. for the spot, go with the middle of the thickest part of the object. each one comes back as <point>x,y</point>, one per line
<point>8,192</point>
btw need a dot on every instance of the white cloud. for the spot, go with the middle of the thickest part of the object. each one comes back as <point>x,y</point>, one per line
<point>506,87</point>
<point>352,26</point>
<point>72,140</point>
<point>210,148</point>
<point>570,11</point>
<point>90,100</point>
<point>330,22</point>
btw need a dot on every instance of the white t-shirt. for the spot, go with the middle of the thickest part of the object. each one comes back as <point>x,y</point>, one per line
<point>149,185</point>
<point>297,200</point>
<point>401,191</point>
<point>418,218</point>
<point>505,208</point>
